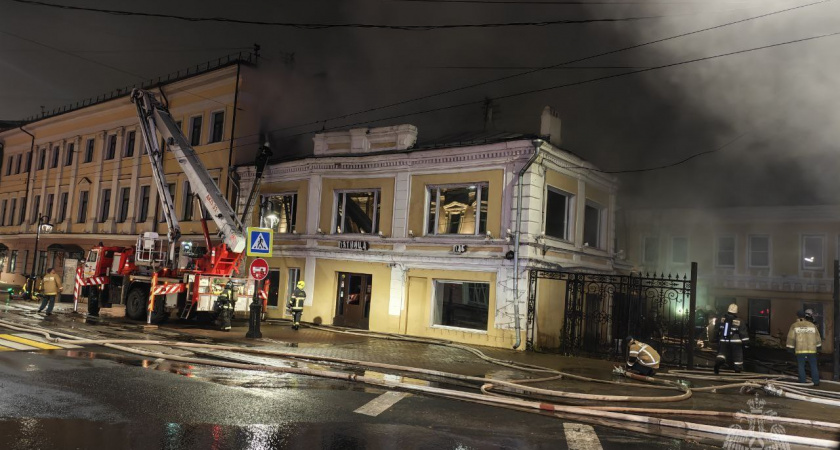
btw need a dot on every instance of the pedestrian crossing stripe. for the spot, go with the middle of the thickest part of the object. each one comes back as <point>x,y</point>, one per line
<point>29,342</point>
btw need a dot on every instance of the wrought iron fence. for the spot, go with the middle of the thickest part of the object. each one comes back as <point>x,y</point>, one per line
<point>600,310</point>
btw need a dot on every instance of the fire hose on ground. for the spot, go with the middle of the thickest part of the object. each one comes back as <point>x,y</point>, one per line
<point>583,413</point>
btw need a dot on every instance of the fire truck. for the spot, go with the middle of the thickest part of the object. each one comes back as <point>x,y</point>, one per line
<point>162,274</point>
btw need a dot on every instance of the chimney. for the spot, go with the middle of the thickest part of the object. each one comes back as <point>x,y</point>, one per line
<point>550,126</point>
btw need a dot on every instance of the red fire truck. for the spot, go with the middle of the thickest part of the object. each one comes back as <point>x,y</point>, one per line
<point>158,275</point>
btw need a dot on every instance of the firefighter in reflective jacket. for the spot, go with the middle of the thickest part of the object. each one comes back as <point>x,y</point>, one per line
<point>224,306</point>
<point>732,338</point>
<point>296,304</point>
<point>641,358</point>
<point>804,339</point>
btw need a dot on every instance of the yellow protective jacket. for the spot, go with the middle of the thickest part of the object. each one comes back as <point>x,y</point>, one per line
<point>643,354</point>
<point>804,336</point>
<point>51,284</point>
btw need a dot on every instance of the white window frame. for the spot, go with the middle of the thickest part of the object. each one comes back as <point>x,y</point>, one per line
<point>102,214</point>
<point>436,188</point>
<point>126,146</point>
<point>139,205</point>
<point>734,251</point>
<point>750,251</point>
<point>802,261</point>
<point>335,215</point>
<point>602,219</point>
<point>212,122</point>
<point>294,208</point>
<point>673,246</point>
<point>655,261</point>
<point>570,214</point>
<point>434,307</point>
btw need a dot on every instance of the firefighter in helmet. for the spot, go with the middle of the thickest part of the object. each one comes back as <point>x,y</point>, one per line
<point>295,304</point>
<point>224,306</point>
<point>732,336</point>
<point>641,358</point>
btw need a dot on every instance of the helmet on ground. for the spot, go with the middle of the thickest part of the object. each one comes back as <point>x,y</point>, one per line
<point>301,284</point>
<point>733,309</point>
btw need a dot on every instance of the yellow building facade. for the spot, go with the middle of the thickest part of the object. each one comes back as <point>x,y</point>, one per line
<point>86,172</point>
<point>419,240</point>
<point>771,261</point>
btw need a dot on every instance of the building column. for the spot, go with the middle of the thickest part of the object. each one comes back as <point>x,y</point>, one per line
<point>396,304</point>
<point>56,191</point>
<point>402,186</point>
<point>309,279</point>
<point>131,218</point>
<point>111,220</point>
<point>313,206</point>
<point>70,217</point>
<point>90,223</point>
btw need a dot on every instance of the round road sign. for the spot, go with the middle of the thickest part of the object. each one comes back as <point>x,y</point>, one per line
<point>259,269</point>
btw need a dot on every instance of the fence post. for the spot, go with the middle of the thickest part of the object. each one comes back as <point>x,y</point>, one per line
<point>692,315</point>
<point>836,295</point>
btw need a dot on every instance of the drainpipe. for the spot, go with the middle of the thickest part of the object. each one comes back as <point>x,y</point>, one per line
<point>28,177</point>
<point>537,145</point>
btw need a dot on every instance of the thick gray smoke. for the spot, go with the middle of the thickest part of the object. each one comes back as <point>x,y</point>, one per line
<point>776,108</point>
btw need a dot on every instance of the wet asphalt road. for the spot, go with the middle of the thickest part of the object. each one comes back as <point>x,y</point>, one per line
<point>100,398</point>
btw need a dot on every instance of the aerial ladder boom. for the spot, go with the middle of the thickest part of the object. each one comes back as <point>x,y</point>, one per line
<point>154,117</point>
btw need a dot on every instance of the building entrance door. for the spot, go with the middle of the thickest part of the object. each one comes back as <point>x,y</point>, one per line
<point>353,300</point>
<point>273,289</point>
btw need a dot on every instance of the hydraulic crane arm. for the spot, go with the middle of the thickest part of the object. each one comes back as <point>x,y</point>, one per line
<point>153,115</point>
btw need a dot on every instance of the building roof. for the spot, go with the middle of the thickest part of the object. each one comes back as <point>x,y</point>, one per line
<point>163,80</point>
<point>473,138</point>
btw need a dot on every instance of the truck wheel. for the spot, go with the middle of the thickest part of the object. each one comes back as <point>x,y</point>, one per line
<point>135,303</point>
<point>160,313</point>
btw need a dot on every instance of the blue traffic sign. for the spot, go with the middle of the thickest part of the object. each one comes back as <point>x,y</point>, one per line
<point>260,241</point>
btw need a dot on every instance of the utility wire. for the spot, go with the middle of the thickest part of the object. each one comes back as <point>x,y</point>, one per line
<point>563,3</point>
<point>591,80</point>
<point>321,26</point>
<point>553,66</point>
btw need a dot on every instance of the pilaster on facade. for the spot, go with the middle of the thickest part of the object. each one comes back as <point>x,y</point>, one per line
<point>131,217</point>
<point>72,193</point>
<point>110,221</point>
<point>96,185</point>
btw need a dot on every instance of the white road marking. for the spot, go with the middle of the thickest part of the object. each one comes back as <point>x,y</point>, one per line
<point>581,437</point>
<point>378,405</point>
<point>16,345</point>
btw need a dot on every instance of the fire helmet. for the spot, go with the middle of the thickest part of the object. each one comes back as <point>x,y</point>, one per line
<point>733,309</point>
<point>301,284</point>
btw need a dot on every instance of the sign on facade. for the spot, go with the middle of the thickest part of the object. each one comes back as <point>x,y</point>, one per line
<point>354,245</point>
<point>459,248</point>
<point>260,241</point>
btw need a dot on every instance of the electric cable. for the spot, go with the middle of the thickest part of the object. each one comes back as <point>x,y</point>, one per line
<point>321,26</point>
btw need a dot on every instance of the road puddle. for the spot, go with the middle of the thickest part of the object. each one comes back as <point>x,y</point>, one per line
<point>146,363</point>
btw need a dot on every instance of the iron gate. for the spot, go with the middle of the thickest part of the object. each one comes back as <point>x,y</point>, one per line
<point>600,310</point>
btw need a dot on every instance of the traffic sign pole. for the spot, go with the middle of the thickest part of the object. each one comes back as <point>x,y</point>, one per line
<point>258,270</point>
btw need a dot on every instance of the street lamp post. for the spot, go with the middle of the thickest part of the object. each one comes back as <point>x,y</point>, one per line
<point>45,225</point>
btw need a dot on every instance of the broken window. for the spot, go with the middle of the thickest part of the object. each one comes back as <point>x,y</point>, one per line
<point>357,212</point>
<point>558,212</point>
<point>458,209</point>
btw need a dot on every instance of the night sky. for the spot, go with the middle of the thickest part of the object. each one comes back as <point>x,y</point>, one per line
<point>772,113</point>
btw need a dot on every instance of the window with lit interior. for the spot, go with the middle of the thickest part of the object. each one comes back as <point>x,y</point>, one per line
<point>759,322</point>
<point>813,252</point>
<point>357,212</point>
<point>279,212</point>
<point>460,209</point>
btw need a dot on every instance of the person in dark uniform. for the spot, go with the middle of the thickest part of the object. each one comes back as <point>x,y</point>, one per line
<point>731,335</point>
<point>296,304</point>
<point>224,306</point>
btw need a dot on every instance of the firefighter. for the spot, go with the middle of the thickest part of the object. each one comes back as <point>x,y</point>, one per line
<point>296,304</point>
<point>804,339</point>
<point>731,335</point>
<point>641,358</point>
<point>224,306</point>
<point>50,288</point>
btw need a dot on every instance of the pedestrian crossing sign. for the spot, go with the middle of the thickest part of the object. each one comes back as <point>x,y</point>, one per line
<point>260,241</point>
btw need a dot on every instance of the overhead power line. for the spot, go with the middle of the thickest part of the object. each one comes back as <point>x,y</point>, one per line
<point>321,26</point>
<point>564,3</point>
<point>553,66</point>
